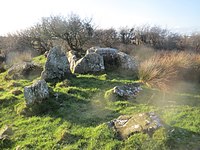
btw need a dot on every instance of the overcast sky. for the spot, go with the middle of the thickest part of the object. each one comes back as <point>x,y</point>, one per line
<point>176,15</point>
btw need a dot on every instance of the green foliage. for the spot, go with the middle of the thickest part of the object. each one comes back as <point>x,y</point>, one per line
<point>40,60</point>
<point>103,137</point>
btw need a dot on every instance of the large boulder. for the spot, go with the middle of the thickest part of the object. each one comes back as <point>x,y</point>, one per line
<point>127,125</point>
<point>90,63</point>
<point>57,66</point>
<point>126,62</point>
<point>115,60</point>
<point>25,70</point>
<point>110,56</point>
<point>36,93</point>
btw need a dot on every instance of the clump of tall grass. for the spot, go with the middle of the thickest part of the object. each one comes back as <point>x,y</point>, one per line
<point>164,68</point>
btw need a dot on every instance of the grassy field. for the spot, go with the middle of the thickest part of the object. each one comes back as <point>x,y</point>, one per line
<point>76,115</point>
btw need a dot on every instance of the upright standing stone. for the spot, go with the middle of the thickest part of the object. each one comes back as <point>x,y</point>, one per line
<point>57,66</point>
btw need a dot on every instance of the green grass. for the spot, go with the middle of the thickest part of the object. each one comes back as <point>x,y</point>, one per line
<point>77,118</point>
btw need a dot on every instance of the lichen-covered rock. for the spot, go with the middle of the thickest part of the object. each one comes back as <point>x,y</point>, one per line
<point>57,66</point>
<point>90,63</point>
<point>36,93</point>
<point>115,60</point>
<point>127,63</point>
<point>71,56</point>
<point>127,91</point>
<point>110,56</point>
<point>127,125</point>
<point>25,70</point>
<point>102,51</point>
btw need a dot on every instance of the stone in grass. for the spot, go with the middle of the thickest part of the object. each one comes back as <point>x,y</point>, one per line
<point>125,92</point>
<point>127,125</point>
<point>36,93</point>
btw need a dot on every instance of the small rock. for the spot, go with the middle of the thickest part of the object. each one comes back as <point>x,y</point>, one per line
<point>36,93</point>
<point>127,91</point>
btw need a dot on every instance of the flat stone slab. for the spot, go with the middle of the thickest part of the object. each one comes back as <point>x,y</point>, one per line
<point>127,125</point>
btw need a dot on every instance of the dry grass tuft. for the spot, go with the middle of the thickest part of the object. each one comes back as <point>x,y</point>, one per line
<point>164,68</point>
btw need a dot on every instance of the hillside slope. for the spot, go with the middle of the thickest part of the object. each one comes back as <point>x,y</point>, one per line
<point>76,115</point>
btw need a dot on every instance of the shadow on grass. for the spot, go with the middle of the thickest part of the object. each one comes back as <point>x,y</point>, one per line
<point>179,138</point>
<point>159,98</point>
<point>74,109</point>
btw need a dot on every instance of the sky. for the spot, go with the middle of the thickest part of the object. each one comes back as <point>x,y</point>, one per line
<point>177,15</point>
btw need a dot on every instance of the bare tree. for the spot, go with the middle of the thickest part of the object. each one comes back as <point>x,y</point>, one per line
<point>75,31</point>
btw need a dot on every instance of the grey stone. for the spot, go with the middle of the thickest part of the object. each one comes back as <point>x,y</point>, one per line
<point>36,93</point>
<point>126,62</point>
<point>25,70</point>
<point>115,60</point>
<point>71,56</point>
<point>124,92</point>
<point>90,63</point>
<point>102,51</point>
<point>57,66</point>
<point>110,56</point>
<point>127,125</point>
